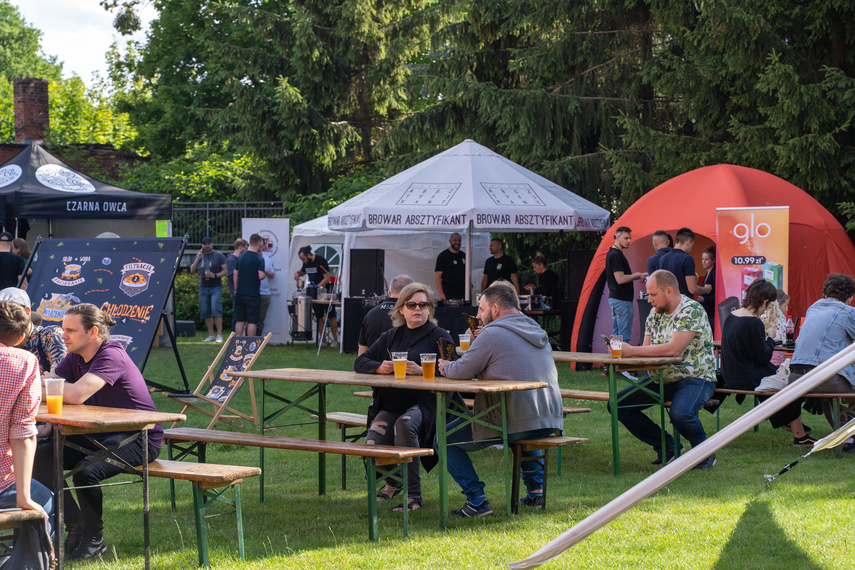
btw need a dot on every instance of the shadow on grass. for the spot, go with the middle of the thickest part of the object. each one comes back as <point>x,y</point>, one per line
<point>758,520</point>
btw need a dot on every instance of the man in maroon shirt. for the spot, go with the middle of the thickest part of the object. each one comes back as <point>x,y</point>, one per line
<point>98,372</point>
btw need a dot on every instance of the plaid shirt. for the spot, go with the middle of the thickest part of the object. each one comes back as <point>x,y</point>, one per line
<point>20,395</point>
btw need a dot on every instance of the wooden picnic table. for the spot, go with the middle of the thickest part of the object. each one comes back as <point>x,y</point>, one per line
<point>626,364</point>
<point>442,387</point>
<point>82,419</point>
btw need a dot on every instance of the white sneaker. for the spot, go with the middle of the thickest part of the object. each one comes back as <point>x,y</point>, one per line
<point>209,339</point>
<point>219,338</point>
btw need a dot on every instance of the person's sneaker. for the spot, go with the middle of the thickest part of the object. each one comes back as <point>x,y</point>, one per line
<point>219,338</point>
<point>803,441</point>
<point>535,501</point>
<point>669,456</point>
<point>209,339</point>
<point>73,538</point>
<point>706,463</point>
<point>849,446</point>
<point>470,510</point>
<point>90,547</point>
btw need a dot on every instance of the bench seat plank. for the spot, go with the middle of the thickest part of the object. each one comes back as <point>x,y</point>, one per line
<point>14,519</point>
<point>211,473</point>
<point>585,395</point>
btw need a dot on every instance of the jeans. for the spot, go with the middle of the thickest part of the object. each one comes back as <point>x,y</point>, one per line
<point>88,514</point>
<point>405,433</point>
<point>463,472</point>
<point>687,397</point>
<point>621,318</point>
<point>38,492</point>
<point>210,302</point>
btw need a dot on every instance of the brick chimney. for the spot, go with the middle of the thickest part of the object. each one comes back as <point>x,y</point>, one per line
<point>31,109</point>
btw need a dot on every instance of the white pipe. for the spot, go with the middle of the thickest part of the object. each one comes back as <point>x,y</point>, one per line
<point>686,461</point>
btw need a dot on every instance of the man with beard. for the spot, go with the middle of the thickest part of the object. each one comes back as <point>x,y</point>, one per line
<point>451,271</point>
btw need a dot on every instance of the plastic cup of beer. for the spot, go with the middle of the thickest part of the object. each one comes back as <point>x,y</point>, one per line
<point>428,365</point>
<point>53,395</point>
<point>465,339</point>
<point>616,345</point>
<point>399,361</point>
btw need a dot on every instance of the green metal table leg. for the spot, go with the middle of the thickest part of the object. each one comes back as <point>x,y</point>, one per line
<point>614,406</point>
<point>262,425</point>
<point>201,534</point>
<point>505,451</point>
<point>322,435</point>
<point>371,476</point>
<point>171,481</point>
<point>663,425</point>
<point>239,516</point>
<point>406,491</point>
<point>443,460</point>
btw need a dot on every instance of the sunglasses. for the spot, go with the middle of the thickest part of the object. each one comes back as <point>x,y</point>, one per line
<point>411,305</point>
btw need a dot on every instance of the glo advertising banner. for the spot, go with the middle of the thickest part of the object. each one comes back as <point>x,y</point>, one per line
<point>752,243</point>
<point>274,232</point>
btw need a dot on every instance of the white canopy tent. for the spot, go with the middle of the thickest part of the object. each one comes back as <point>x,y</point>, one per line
<point>465,189</point>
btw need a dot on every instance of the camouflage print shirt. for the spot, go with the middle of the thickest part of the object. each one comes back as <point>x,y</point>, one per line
<point>698,358</point>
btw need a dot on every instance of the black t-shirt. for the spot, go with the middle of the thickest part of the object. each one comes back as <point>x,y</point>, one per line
<point>501,268</point>
<point>453,267</point>
<point>376,322</point>
<point>615,261</point>
<point>316,268</point>
<point>548,286</point>
<point>248,265</point>
<point>11,265</point>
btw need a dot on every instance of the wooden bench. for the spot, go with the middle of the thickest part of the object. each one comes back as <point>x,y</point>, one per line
<point>544,444</point>
<point>344,421</point>
<point>13,519</point>
<point>585,395</point>
<point>210,482</point>
<point>379,457</point>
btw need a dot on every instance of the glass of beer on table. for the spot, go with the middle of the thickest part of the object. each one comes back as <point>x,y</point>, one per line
<point>399,362</point>
<point>465,339</point>
<point>428,365</point>
<point>616,345</point>
<point>53,395</point>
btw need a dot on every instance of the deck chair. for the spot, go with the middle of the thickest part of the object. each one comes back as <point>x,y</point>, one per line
<point>214,393</point>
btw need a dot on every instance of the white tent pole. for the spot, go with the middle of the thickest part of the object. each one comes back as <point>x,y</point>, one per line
<point>467,295</point>
<point>686,461</point>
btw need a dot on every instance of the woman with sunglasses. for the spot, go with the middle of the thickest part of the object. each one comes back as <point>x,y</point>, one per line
<point>405,417</point>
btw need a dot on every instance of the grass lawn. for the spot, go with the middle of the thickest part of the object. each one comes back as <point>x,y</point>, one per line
<point>720,518</point>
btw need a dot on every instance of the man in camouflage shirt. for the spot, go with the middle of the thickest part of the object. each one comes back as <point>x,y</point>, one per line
<point>678,326</point>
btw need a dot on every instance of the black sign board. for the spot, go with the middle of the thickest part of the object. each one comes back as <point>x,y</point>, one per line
<point>128,278</point>
<point>239,356</point>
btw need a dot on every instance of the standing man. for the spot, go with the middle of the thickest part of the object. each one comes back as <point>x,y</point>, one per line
<point>264,291</point>
<point>240,246</point>
<point>661,239</point>
<point>677,327</point>
<point>619,278</point>
<point>318,270</point>
<point>451,271</point>
<point>682,265</point>
<point>211,266</point>
<point>20,394</point>
<point>510,346</point>
<point>499,266</point>
<point>11,264</point>
<point>377,320</point>
<point>98,372</point>
<point>248,275</point>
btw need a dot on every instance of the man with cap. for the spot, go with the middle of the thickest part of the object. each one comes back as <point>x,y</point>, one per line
<point>45,343</point>
<point>211,265</point>
<point>11,264</point>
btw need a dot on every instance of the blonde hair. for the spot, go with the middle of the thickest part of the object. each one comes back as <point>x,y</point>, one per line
<point>408,293</point>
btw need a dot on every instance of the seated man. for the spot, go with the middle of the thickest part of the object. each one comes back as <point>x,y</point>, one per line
<point>20,394</point>
<point>98,372</point>
<point>678,326</point>
<point>509,346</point>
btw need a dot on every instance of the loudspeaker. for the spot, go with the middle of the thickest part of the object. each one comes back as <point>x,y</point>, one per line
<point>578,262</point>
<point>366,272</point>
<point>568,315</point>
<point>354,311</point>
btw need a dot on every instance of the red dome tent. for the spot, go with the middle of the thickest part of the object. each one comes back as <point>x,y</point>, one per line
<point>818,243</point>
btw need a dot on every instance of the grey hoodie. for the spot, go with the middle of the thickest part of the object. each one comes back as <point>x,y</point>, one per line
<point>513,347</point>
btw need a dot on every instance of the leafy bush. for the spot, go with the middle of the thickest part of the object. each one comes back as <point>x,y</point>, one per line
<point>187,301</point>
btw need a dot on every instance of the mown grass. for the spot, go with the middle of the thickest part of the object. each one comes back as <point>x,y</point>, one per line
<point>721,518</point>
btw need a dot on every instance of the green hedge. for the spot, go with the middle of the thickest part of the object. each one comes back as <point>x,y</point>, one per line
<point>187,301</point>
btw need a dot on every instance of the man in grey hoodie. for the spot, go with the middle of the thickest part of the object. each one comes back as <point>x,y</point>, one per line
<point>509,346</point>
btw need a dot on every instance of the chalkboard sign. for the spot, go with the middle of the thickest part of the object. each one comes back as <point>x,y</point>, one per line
<point>128,278</point>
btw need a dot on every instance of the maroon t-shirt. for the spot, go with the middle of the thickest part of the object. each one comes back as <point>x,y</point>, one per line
<point>125,387</point>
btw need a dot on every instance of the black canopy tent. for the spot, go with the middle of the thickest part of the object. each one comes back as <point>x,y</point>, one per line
<point>36,185</point>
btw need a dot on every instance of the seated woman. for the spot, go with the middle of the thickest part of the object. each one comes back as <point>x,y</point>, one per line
<point>746,354</point>
<point>411,412</point>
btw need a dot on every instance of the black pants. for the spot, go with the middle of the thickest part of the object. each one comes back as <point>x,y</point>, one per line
<point>90,509</point>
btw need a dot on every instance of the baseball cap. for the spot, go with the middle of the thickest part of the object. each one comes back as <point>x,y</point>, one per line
<point>6,236</point>
<point>207,239</point>
<point>17,295</point>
